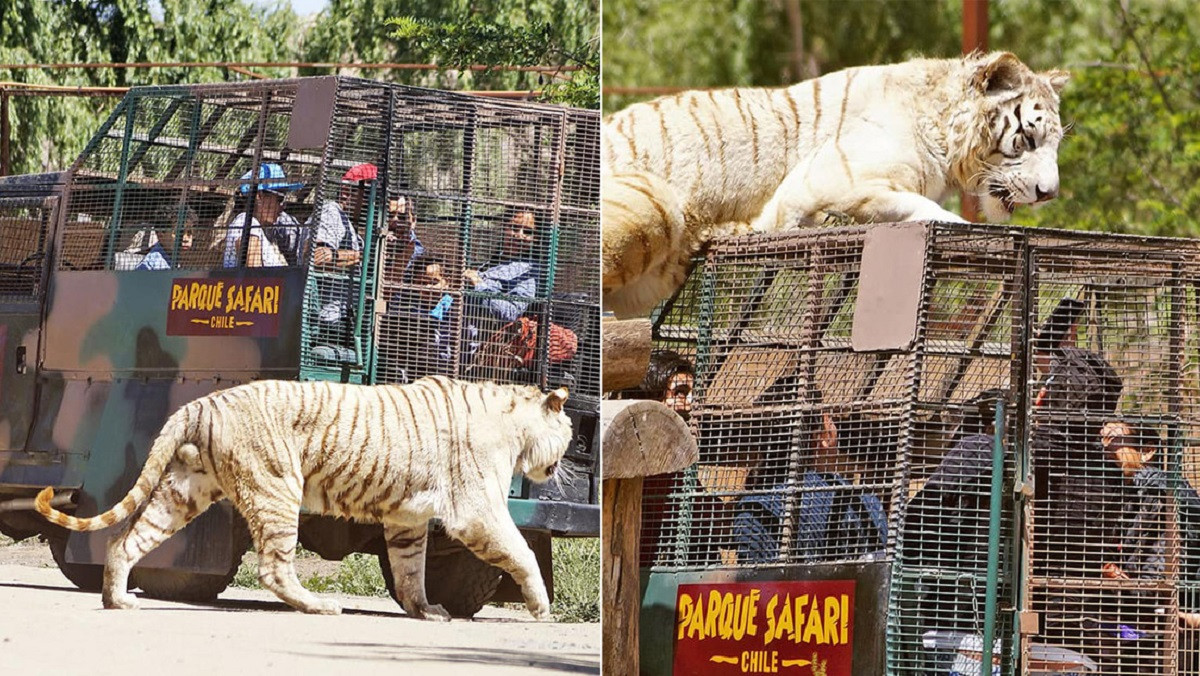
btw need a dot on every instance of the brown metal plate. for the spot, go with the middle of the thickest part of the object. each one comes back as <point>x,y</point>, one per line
<point>889,289</point>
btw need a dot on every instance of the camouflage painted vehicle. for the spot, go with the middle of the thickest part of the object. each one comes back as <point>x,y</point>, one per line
<point>130,285</point>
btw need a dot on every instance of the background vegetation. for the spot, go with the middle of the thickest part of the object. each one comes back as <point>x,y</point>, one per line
<point>48,133</point>
<point>1131,162</point>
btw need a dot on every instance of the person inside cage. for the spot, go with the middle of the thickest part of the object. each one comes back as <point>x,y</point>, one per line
<point>834,520</point>
<point>337,254</point>
<point>263,249</point>
<point>151,248</point>
<point>945,532</point>
<point>1143,549</point>
<point>510,278</point>
<point>423,307</point>
<point>670,378</point>
<point>508,282</point>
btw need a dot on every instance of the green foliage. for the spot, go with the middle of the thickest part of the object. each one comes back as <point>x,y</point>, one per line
<point>1131,162</point>
<point>712,43</point>
<point>479,40</point>
<point>49,132</point>
<point>358,575</point>
<point>576,579</point>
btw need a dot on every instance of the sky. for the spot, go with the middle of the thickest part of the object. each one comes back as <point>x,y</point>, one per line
<point>301,7</point>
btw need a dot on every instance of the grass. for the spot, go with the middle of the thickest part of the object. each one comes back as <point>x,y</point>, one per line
<point>576,578</point>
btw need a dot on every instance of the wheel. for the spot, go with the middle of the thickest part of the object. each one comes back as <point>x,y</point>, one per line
<point>88,577</point>
<point>454,578</point>
<point>181,585</point>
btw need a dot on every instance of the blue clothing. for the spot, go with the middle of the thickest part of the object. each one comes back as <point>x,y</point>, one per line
<point>156,259</point>
<point>514,278</point>
<point>835,521</point>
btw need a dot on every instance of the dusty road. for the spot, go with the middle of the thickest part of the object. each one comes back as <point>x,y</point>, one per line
<point>46,625</point>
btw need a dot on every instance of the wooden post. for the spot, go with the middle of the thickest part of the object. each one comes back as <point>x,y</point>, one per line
<point>5,132</point>
<point>641,438</point>
<point>626,349</point>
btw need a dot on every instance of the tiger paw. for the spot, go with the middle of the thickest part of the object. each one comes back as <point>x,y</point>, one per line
<point>435,613</point>
<point>120,602</point>
<point>324,607</point>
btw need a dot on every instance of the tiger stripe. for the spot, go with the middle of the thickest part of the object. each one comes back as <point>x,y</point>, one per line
<point>399,455</point>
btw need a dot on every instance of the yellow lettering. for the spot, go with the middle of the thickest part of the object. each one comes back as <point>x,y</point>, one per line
<point>728,614</point>
<point>813,628</point>
<point>751,612</point>
<point>177,296</point>
<point>214,298</point>
<point>193,295</point>
<point>271,299</point>
<point>785,625</point>
<point>771,634</point>
<point>696,625</point>
<point>833,611</point>
<point>714,613</point>
<point>257,303</point>
<point>845,619</point>
<point>685,607</point>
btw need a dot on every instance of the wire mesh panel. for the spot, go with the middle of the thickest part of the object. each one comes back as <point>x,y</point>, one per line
<point>24,226</point>
<point>794,467</point>
<point>834,429</point>
<point>496,204</point>
<point>972,308</point>
<point>1105,408</point>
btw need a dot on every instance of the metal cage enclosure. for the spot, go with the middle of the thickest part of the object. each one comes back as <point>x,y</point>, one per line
<point>847,383</point>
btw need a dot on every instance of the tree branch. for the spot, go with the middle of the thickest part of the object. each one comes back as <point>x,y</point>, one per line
<point>1143,55</point>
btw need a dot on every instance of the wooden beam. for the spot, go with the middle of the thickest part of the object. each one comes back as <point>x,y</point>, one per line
<point>626,348</point>
<point>641,438</point>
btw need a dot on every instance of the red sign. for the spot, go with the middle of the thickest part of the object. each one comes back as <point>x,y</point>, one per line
<point>225,307</point>
<point>802,628</point>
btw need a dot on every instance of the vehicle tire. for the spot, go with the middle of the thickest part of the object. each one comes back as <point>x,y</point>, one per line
<point>181,585</point>
<point>88,577</point>
<point>454,578</point>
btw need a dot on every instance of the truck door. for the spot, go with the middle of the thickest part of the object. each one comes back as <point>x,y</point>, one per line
<point>25,217</point>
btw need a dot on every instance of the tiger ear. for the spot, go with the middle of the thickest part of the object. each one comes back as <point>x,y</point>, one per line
<point>555,400</point>
<point>1058,79</point>
<point>1001,71</point>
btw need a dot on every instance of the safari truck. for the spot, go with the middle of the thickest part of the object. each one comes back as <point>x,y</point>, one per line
<point>928,447</point>
<point>133,282</point>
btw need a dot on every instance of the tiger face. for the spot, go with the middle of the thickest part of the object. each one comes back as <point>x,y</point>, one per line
<point>1022,134</point>
<point>543,451</point>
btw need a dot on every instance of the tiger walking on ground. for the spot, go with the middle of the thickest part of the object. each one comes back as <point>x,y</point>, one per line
<point>875,144</point>
<point>396,455</point>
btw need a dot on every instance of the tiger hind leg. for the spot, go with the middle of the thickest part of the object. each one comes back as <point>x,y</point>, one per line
<point>273,515</point>
<point>180,496</point>
<point>406,556</point>
<point>495,539</point>
<point>645,247</point>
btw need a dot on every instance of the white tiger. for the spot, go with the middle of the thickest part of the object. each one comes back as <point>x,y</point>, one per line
<point>396,455</point>
<point>877,143</point>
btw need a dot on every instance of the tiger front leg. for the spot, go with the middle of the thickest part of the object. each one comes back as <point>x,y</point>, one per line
<point>406,556</point>
<point>496,540</point>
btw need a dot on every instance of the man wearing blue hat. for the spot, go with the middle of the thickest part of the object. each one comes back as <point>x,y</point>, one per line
<point>275,236</point>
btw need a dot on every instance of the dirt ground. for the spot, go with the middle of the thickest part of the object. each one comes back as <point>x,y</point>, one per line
<point>247,630</point>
